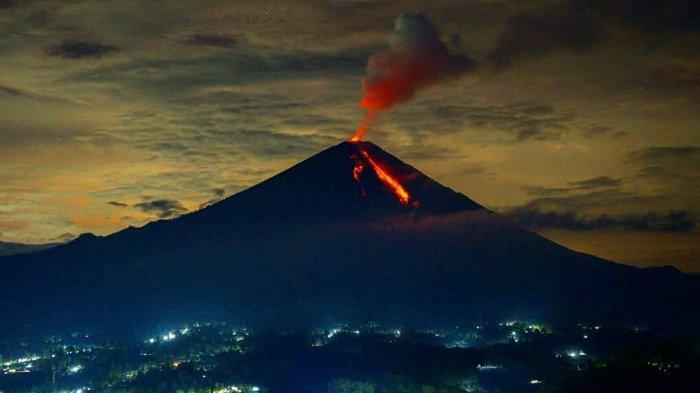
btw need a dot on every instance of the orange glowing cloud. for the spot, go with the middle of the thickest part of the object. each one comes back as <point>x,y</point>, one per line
<point>416,58</point>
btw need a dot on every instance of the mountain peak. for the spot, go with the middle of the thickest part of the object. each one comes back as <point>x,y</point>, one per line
<point>425,192</point>
<point>343,181</point>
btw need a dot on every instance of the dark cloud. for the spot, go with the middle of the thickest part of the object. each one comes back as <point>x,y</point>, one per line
<point>671,165</point>
<point>681,74</point>
<point>215,40</point>
<point>596,130</point>
<point>579,25</point>
<point>527,35</point>
<point>266,143</point>
<point>270,144</point>
<point>248,66</point>
<point>531,217</point>
<point>162,208</point>
<point>11,91</point>
<point>227,125</point>
<point>597,200</point>
<point>423,151</point>
<point>651,15</point>
<point>308,61</point>
<point>207,203</point>
<point>117,204</point>
<point>546,191</point>
<point>16,93</point>
<point>7,3</point>
<point>596,182</point>
<point>64,238</point>
<point>656,154</point>
<point>660,172</point>
<point>218,194</point>
<point>524,121</point>
<point>81,49</point>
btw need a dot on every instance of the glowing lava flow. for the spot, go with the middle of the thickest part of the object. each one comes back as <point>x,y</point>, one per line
<point>357,170</point>
<point>398,190</point>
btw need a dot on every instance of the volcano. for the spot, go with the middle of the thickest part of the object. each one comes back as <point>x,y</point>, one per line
<point>332,239</point>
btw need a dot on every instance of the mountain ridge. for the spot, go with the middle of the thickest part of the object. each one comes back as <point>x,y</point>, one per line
<point>13,248</point>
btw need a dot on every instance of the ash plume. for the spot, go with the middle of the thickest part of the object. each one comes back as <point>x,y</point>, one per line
<point>416,58</point>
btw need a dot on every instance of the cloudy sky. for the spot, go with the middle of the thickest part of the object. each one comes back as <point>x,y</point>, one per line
<point>580,119</point>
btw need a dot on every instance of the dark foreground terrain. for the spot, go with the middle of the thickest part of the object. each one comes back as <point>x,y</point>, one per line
<point>218,357</point>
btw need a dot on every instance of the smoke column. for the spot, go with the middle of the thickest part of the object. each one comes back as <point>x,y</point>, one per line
<point>416,58</point>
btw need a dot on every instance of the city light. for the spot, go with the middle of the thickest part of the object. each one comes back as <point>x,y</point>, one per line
<point>236,389</point>
<point>485,367</point>
<point>21,360</point>
<point>514,336</point>
<point>169,336</point>
<point>75,369</point>
<point>575,353</point>
<point>332,333</point>
<point>197,364</point>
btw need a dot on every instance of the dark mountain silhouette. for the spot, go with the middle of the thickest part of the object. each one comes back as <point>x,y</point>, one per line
<point>311,245</point>
<point>11,248</point>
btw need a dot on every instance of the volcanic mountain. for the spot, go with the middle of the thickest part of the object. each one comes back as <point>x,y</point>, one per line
<point>333,239</point>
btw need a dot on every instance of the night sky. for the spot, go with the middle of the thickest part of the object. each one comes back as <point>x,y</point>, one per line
<point>580,119</point>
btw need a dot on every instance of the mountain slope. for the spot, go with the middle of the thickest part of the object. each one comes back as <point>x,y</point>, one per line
<point>314,244</point>
<point>9,248</point>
